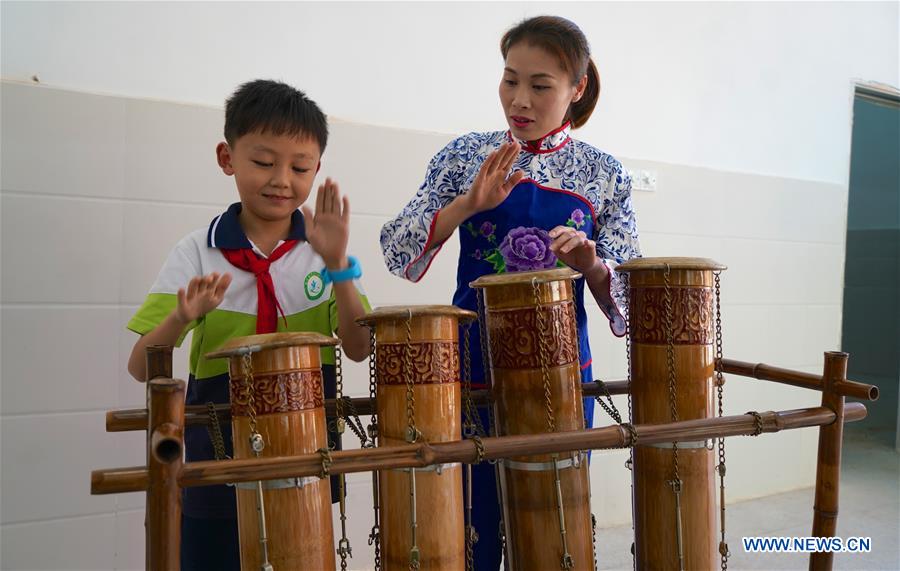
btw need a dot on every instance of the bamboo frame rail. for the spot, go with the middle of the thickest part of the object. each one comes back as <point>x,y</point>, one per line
<point>126,420</point>
<point>134,479</point>
<point>765,372</point>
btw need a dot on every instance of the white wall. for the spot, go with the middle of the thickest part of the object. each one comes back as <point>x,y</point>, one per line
<point>751,87</point>
<point>98,188</point>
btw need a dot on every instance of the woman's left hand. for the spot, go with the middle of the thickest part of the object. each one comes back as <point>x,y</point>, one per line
<point>574,248</point>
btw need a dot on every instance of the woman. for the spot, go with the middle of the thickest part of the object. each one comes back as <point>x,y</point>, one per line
<point>565,202</point>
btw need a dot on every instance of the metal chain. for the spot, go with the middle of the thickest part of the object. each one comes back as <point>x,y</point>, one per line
<point>594,538</point>
<point>628,345</point>
<point>486,370</point>
<point>630,424</point>
<point>757,422</point>
<point>325,454</point>
<point>470,430</point>
<point>249,394</point>
<point>542,350</point>
<point>414,549</point>
<point>472,422</point>
<point>356,426</point>
<point>632,436</point>
<point>471,534</point>
<point>720,384</point>
<point>610,409</point>
<point>373,373</point>
<point>215,431</point>
<point>375,533</point>
<point>412,436</point>
<point>343,550</point>
<point>412,433</point>
<point>494,429</point>
<point>675,482</point>
<point>257,444</point>
<point>566,561</point>
<point>487,374</point>
<point>339,424</point>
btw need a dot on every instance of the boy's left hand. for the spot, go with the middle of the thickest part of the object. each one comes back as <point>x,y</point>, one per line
<point>328,230</point>
<point>573,248</point>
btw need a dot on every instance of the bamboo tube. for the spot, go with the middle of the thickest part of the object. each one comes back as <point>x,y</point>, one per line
<point>417,383</point>
<point>133,479</point>
<point>126,420</point>
<point>164,466</point>
<point>828,467</point>
<point>797,379</point>
<point>530,321</point>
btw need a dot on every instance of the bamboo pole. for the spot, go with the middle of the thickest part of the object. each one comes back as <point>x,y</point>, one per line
<point>420,455</point>
<point>828,466</point>
<point>765,372</point>
<point>126,420</point>
<point>164,467</point>
<point>158,363</point>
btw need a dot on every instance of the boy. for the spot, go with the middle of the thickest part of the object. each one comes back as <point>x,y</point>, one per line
<point>259,267</point>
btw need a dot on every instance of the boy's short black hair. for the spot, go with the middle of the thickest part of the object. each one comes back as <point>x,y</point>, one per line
<point>274,107</point>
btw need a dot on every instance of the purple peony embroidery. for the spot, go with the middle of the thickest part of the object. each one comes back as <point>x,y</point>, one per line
<point>477,254</point>
<point>487,229</point>
<point>577,218</point>
<point>526,249</point>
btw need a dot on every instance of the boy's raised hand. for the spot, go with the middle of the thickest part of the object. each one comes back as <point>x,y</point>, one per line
<point>202,295</point>
<point>328,230</point>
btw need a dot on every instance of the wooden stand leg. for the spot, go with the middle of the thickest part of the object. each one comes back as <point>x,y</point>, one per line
<point>828,468</point>
<point>164,467</point>
<point>158,359</point>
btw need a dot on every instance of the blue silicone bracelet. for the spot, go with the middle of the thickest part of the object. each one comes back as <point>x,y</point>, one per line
<point>351,273</point>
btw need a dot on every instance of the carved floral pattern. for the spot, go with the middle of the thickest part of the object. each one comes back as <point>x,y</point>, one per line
<point>692,315</point>
<point>281,392</point>
<point>432,362</point>
<point>514,337</point>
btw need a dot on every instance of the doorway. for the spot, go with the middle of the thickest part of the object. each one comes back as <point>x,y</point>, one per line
<point>871,308</point>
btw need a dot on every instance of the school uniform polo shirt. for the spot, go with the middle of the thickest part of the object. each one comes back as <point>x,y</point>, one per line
<point>307,303</point>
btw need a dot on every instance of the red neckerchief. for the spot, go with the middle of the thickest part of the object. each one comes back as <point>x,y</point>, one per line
<point>267,305</point>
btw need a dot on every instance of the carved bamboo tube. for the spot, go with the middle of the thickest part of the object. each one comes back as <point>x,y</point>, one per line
<point>536,375</point>
<point>284,399</point>
<point>672,378</point>
<point>417,376</point>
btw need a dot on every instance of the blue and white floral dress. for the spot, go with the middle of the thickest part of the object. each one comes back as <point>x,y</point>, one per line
<point>567,182</point>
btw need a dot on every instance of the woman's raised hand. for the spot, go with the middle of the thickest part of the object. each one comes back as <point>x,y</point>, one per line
<point>494,182</point>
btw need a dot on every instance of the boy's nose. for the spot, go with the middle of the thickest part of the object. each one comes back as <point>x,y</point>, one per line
<point>280,179</point>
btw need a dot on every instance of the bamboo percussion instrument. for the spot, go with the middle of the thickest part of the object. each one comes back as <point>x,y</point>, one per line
<point>277,393</point>
<point>418,399</point>
<point>536,376</point>
<point>672,318</point>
